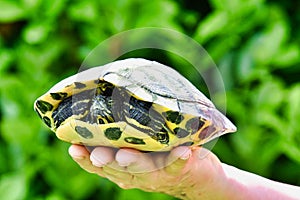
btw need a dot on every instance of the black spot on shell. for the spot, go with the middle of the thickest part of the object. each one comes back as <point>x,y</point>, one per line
<point>113,133</point>
<point>44,106</point>
<point>79,85</point>
<point>47,121</point>
<point>133,140</point>
<point>38,113</point>
<point>180,133</point>
<point>194,124</point>
<point>59,95</point>
<point>207,132</point>
<point>84,132</point>
<point>173,116</point>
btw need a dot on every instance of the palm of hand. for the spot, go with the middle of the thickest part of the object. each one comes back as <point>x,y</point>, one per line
<point>184,172</point>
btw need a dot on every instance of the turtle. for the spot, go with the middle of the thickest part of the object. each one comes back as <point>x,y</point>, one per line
<point>131,103</point>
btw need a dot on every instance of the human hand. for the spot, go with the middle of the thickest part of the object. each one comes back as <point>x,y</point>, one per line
<point>184,172</point>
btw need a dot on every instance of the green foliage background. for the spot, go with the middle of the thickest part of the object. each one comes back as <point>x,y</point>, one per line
<point>255,44</point>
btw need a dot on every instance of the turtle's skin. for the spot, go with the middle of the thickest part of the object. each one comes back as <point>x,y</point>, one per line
<point>132,103</point>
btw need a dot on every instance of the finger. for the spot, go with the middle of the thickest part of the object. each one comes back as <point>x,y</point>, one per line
<point>177,159</point>
<point>78,152</point>
<point>181,152</point>
<point>206,159</point>
<point>159,159</point>
<point>135,161</point>
<point>206,154</point>
<point>119,176</point>
<point>126,156</point>
<point>144,173</point>
<point>81,155</point>
<point>101,156</point>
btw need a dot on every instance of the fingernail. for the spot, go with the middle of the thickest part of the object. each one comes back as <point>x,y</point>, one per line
<point>74,153</point>
<point>96,162</point>
<point>125,157</point>
<point>185,156</point>
<point>78,157</point>
<point>123,161</point>
<point>184,153</point>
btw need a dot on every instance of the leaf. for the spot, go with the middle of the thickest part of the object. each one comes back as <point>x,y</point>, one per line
<point>37,32</point>
<point>6,58</point>
<point>11,11</point>
<point>287,55</point>
<point>12,186</point>
<point>293,106</point>
<point>211,26</point>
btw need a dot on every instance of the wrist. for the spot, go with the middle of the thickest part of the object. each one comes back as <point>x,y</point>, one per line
<point>245,185</point>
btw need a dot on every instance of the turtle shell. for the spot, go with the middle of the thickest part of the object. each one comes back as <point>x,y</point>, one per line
<point>133,103</point>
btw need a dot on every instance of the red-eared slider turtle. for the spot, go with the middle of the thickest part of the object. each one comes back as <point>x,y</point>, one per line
<point>132,103</point>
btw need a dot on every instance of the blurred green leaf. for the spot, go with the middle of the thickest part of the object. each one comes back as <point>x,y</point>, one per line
<point>138,194</point>
<point>6,58</point>
<point>293,106</point>
<point>211,26</point>
<point>36,33</point>
<point>12,186</point>
<point>11,11</point>
<point>84,11</point>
